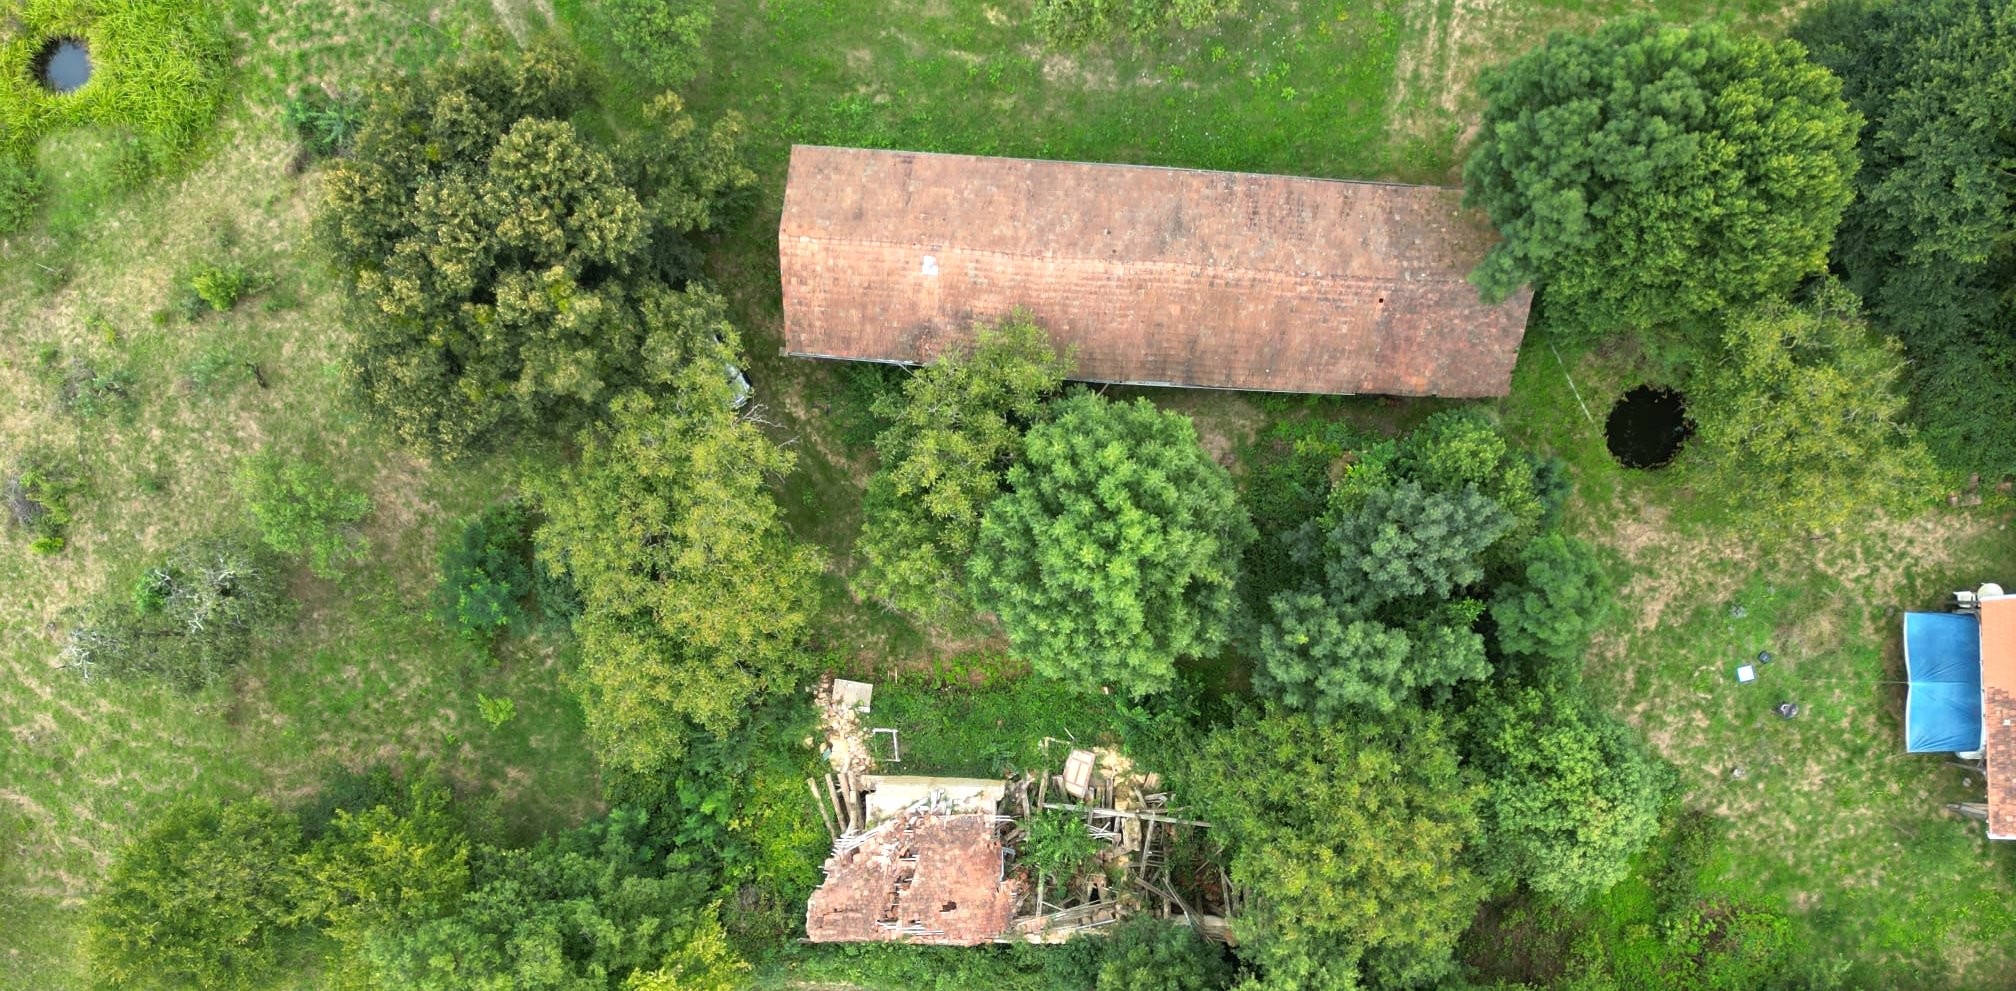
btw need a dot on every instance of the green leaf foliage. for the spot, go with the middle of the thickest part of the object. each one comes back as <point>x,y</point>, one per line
<point>1571,796</point>
<point>39,491</point>
<point>696,601</point>
<point>381,869</point>
<point>1558,600</point>
<point>662,39</point>
<point>1116,549</point>
<point>199,901</point>
<point>1076,22</point>
<point>1801,422</point>
<point>587,910</point>
<point>1059,847</point>
<point>486,572</point>
<point>301,511</point>
<point>954,431</point>
<point>189,620</point>
<point>507,268</point>
<point>1647,175</point>
<point>1927,241</point>
<point>1142,953</point>
<point>1349,837</point>
<point>1385,607</point>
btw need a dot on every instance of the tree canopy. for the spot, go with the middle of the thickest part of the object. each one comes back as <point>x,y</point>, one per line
<point>1351,838</point>
<point>1384,609</point>
<point>1570,796</point>
<point>1802,425</point>
<point>505,265</point>
<point>1648,175</point>
<point>696,600</point>
<point>1559,598</point>
<point>1927,240</point>
<point>956,429</point>
<point>199,901</point>
<point>587,910</point>
<point>1115,550</point>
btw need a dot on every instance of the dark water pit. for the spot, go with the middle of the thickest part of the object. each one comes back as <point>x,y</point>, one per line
<point>1647,427</point>
<point>62,65</point>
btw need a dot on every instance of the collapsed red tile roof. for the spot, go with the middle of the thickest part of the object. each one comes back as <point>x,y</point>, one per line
<point>1998,712</point>
<point>920,878</point>
<point>1156,276</point>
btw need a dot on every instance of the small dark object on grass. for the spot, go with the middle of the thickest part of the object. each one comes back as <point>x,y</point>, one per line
<point>1738,612</point>
<point>1763,657</point>
<point>258,375</point>
<point>1787,710</point>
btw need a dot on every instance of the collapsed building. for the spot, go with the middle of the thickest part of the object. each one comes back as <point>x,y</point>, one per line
<point>945,860</point>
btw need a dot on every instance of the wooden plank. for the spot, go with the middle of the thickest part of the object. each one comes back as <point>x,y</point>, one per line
<point>825,814</point>
<point>1145,816</point>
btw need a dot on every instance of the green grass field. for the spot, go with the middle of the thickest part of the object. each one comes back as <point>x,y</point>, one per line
<point>1828,822</point>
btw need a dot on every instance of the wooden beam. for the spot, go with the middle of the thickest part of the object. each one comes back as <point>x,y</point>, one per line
<point>825,815</point>
<point>1144,816</point>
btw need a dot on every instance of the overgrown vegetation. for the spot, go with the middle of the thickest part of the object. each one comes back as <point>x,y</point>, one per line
<point>1926,239</point>
<point>303,512</point>
<point>689,580</point>
<point>158,70</point>
<point>41,488</point>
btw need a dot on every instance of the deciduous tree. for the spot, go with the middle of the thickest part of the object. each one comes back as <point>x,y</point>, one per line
<point>695,599</point>
<point>1649,175</point>
<point>499,257</point>
<point>1571,797</point>
<point>1116,548</point>
<point>199,901</point>
<point>1801,422</point>
<point>1351,838</point>
<point>1927,239</point>
<point>956,428</point>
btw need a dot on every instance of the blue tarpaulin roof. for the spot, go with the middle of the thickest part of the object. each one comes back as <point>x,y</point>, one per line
<point>1942,658</point>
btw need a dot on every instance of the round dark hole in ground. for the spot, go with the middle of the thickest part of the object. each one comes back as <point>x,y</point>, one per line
<point>1647,427</point>
<point>62,65</point>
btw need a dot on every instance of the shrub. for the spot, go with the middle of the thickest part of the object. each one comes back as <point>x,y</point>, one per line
<point>39,494</point>
<point>486,572</point>
<point>1142,953</point>
<point>495,712</point>
<point>86,393</point>
<point>1060,848</point>
<point>187,621</point>
<point>663,39</point>
<point>221,286</point>
<point>326,124</point>
<point>302,511</point>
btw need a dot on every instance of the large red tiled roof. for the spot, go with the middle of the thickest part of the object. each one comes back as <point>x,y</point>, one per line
<point>1998,712</point>
<point>1155,276</point>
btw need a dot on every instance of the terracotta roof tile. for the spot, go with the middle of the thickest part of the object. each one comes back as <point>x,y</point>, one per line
<point>925,878</point>
<point>1998,712</point>
<point>1156,276</point>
